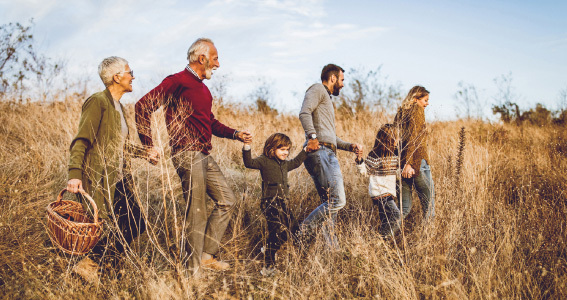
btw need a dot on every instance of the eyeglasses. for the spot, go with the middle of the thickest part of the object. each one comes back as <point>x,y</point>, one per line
<point>131,72</point>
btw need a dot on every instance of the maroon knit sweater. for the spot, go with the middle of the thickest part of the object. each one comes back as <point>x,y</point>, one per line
<point>187,103</point>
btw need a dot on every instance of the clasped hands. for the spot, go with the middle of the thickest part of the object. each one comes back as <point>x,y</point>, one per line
<point>313,145</point>
<point>244,136</point>
<point>357,149</point>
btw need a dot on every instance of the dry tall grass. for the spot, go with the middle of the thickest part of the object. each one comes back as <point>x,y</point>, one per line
<point>499,231</point>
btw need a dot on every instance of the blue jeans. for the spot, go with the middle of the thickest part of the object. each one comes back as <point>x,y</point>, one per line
<point>323,166</point>
<point>425,190</point>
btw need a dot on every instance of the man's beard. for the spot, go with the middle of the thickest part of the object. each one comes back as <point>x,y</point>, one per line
<point>208,70</point>
<point>336,89</point>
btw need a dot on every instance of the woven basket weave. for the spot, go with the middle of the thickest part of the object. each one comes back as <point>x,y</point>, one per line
<point>70,228</point>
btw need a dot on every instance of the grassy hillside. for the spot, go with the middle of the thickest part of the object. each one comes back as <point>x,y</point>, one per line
<point>499,232</point>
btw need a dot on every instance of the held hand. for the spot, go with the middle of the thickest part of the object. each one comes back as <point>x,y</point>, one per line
<point>153,155</point>
<point>248,142</point>
<point>74,185</point>
<point>357,149</point>
<point>306,149</point>
<point>312,145</point>
<point>244,136</point>
<point>408,172</point>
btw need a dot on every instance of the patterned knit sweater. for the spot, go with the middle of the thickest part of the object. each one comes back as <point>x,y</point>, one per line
<point>383,159</point>
<point>413,133</point>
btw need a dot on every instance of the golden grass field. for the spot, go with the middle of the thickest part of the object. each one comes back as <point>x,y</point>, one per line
<point>499,231</point>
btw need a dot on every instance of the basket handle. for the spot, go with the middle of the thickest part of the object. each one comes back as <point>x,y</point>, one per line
<point>86,195</point>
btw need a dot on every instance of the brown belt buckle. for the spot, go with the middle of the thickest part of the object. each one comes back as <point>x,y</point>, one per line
<point>330,146</point>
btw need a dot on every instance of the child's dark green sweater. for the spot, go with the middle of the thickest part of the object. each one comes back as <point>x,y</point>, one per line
<point>274,172</point>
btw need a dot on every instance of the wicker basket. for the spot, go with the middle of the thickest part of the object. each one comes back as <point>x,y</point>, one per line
<point>70,228</point>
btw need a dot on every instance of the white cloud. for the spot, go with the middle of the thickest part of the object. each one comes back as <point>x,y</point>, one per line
<point>287,41</point>
<point>307,8</point>
<point>26,9</point>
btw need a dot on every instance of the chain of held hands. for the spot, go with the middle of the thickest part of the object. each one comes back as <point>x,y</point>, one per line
<point>76,185</point>
<point>407,172</point>
<point>152,154</point>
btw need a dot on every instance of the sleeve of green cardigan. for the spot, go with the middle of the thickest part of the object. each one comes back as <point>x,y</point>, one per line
<point>88,126</point>
<point>297,161</point>
<point>249,162</point>
<point>76,160</point>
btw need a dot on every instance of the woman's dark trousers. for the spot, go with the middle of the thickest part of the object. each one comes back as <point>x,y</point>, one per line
<point>130,222</point>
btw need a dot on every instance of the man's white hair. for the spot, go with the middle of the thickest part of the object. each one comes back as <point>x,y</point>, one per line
<point>109,67</point>
<point>199,47</point>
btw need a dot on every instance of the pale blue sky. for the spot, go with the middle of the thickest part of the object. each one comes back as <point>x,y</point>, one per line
<point>432,43</point>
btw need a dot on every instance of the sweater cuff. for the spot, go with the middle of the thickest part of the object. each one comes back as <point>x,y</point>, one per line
<point>76,174</point>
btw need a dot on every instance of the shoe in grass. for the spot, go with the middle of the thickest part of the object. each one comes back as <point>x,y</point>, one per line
<point>269,271</point>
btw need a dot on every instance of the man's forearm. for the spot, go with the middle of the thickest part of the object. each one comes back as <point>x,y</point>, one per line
<point>344,145</point>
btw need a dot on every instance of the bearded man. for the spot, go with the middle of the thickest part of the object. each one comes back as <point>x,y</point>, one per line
<point>190,123</point>
<point>317,117</point>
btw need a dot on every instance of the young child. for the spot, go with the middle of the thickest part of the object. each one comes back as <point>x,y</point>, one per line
<point>382,166</point>
<point>273,168</point>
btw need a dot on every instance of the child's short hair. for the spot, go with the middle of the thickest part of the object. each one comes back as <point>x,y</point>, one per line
<point>275,141</point>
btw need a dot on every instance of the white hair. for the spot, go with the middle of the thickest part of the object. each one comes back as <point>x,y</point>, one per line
<point>109,67</point>
<point>199,47</point>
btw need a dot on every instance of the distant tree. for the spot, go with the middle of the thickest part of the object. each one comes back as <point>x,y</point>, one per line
<point>219,86</point>
<point>562,100</point>
<point>262,96</point>
<point>508,111</point>
<point>20,63</point>
<point>368,89</point>
<point>468,105</point>
<point>561,118</point>
<point>506,100</point>
<point>537,116</point>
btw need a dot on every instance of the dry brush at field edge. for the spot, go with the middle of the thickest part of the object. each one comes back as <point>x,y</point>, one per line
<point>499,230</point>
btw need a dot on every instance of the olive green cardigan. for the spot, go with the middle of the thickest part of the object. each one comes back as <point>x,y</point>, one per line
<point>96,149</point>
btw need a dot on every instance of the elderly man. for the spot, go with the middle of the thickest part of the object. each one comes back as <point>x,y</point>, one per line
<point>190,123</point>
<point>317,117</point>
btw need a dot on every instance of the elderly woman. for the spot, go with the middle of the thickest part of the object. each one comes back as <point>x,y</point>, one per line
<point>99,160</point>
<point>410,119</point>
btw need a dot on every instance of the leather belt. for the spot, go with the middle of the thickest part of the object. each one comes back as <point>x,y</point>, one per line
<point>329,145</point>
